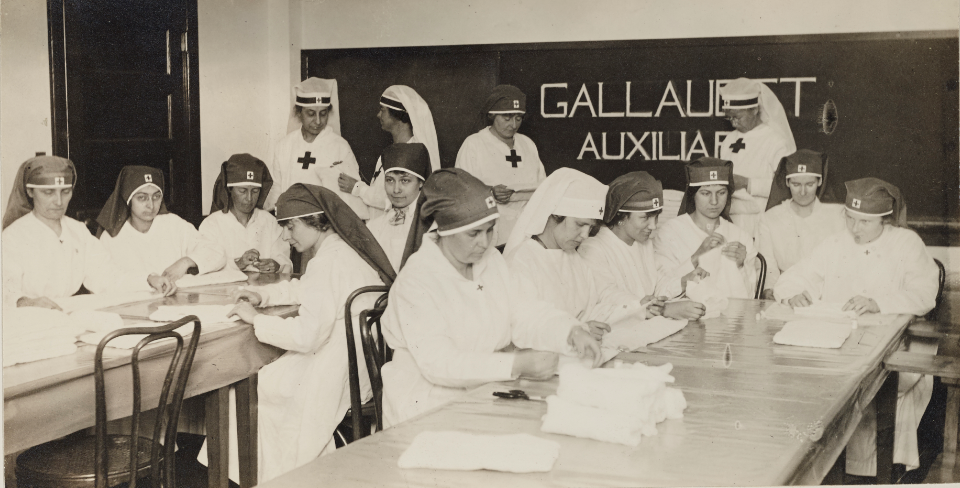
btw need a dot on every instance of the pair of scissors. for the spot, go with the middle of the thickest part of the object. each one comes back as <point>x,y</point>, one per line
<point>516,395</point>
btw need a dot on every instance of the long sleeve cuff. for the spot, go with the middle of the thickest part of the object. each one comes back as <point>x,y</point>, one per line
<point>271,329</point>
<point>359,188</point>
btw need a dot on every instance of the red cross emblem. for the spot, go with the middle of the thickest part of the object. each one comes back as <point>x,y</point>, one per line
<point>516,104</point>
<point>801,168</point>
<point>491,202</point>
<point>59,180</point>
<point>148,178</point>
<point>656,203</point>
<point>249,175</point>
<point>856,203</point>
<point>713,175</point>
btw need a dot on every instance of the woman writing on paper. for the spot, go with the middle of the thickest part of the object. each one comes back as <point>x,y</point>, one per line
<point>237,222</point>
<point>47,255</point>
<point>143,237</point>
<point>456,305</point>
<point>702,226</point>
<point>543,249</point>
<point>304,394</point>
<point>876,265</point>
<point>622,252</point>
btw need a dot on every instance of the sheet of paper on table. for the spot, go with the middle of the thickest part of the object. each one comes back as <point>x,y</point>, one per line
<point>826,313</point>
<point>96,301</point>
<point>632,333</point>
<point>813,333</point>
<point>226,275</point>
<point>208,314</point>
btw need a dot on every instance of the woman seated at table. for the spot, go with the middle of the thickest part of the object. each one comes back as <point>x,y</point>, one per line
<point>406,167</point>
<point>47,255</point>
<point>543,249</point>
<point>796,220</point>
<point>456,306</point>
<point>304,394</point>
<point>237,222</point>
<point>143,237</point>
<point>876,265</point>
<point>702,225</point>
<point>622,253</point>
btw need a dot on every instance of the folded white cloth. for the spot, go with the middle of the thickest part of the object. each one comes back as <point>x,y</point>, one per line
<point>208,314</point>
<point>618,404</point>
<point>631,333</point>
<point>97,321</point>
<point>226,275</point>
<point>570,418</point>
<point>813,333</point>
<point>515,453</point>
<point>33,333</point>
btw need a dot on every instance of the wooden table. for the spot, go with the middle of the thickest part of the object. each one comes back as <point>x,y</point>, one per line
<point>45,400</point>
<point>758,414</point>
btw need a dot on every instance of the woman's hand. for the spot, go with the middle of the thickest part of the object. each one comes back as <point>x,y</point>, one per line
<point>735,251</point>
<point>802,300</point>
<point>249,258</point>
<point>162,284</point>
<point>712,241</point>
<point>597,329</point>
<point>346,183</point>
<point>862,305</point>
<point>684,310</point>
<point>501,193</point>
<point>267,266</point>
<point>584,344</point>
<point>248,296</point>
<point>245,311</point>
<point>176,270</point>
<point>535,365</point>
<point>654,305</point>
<point>42,302</point>
<point>694,276</point>
<point>767,294</point>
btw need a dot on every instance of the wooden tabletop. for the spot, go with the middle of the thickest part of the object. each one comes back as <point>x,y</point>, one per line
<point>47,399</point>
<point>758,414</point>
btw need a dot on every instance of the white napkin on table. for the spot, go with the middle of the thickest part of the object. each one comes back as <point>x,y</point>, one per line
<point>514,453</point>
<point>813,333</point>
<point>34,333</point>
<point>631,333</point>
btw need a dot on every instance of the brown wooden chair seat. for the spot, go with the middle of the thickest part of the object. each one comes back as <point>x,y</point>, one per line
<point>107,460</point>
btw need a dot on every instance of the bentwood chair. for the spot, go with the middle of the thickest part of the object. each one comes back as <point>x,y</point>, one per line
<point>761,276</point>
<point>372,411</point>
<point>106,460</point>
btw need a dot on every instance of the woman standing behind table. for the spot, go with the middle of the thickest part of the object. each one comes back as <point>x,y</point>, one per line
<point>704,224</point>
<point>876,265</point>
<point>504,160</point>
<point>304,394</point>
<point>796,220</point>
<point>622,252</point>
<point>237,222</point>
<point>456,304</point>
<point>47,255</point>
<point>143,237</point>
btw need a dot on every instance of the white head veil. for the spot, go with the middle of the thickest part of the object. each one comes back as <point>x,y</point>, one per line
<point>420,118</point>
<point>566,192</point>
<point>741,90</point>
<point>318,87</point>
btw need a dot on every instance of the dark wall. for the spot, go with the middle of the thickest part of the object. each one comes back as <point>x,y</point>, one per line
<point>895,98</point>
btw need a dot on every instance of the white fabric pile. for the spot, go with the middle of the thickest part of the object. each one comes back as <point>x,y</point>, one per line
<point>632,333</point>
<point>619,404</point>
<point>33,333</point>
<point>725,281</point>
<point>813,333</point>
<point>515,453</point>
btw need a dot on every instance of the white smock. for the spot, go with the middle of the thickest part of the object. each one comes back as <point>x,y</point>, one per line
<point>755,155</point>
<point>262,233</point>
<point>485,156</point>
<point>630,268</point>
<point>38,263</point>
<point>785,238</point>
<point>169,239</point>
<point>446,329</point>
<point>392,238</point>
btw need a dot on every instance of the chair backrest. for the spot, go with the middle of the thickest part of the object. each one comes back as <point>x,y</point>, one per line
<point>934,314</point>
<point>168,407</point>
<point>356,404</point>
<point>761,276</point>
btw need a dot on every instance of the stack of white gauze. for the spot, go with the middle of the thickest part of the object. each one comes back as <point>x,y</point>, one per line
<point>33,333</point>
<point>619,404</point>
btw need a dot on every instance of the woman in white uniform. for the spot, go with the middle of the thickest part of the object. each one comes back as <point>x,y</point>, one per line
<point>237,222</point>
<point>796,220</point>
<point>622,251</point>
<point>876,265</point>
<point>704,224</point>
<point>47,255</point>
<point>405,168</point>
<point>304,394</point>
<point>456,306</point>
<point>407,117</point>
<point>505,160</point>
<point>143,237</point>
<point>543,249</point>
